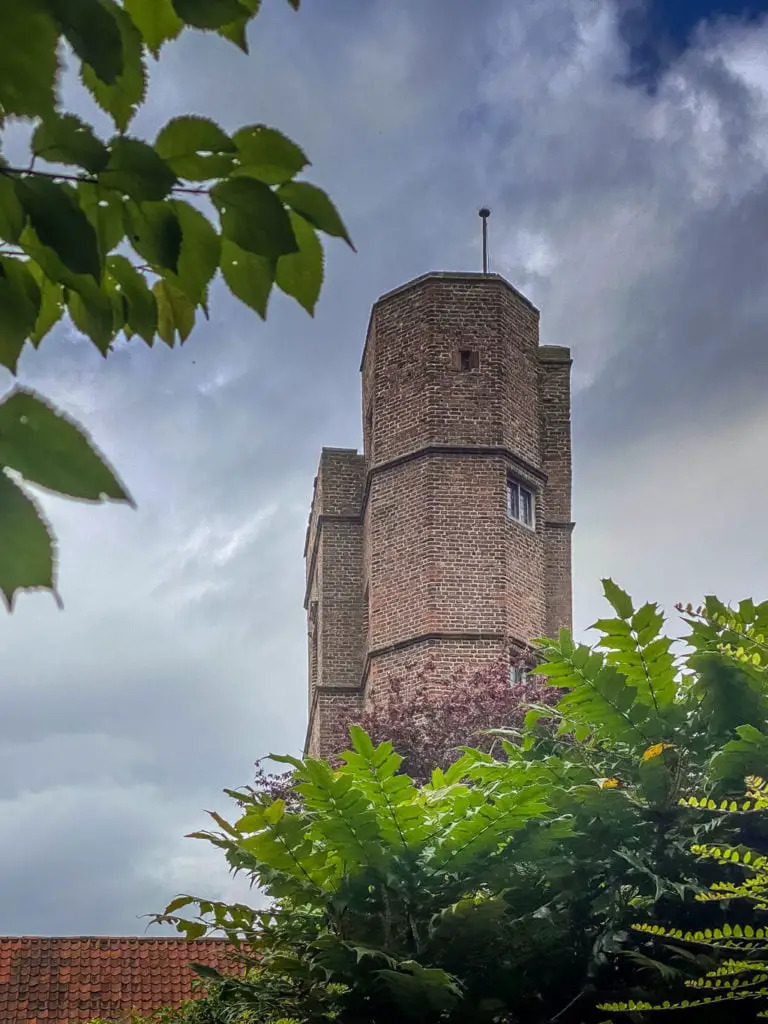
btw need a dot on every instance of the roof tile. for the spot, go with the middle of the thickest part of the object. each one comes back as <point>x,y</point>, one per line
<point>72,980</point>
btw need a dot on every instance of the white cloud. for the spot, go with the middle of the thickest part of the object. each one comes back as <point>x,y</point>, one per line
<point>677,516</point>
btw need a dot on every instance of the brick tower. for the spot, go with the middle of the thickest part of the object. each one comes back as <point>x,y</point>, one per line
<point>449,538</point>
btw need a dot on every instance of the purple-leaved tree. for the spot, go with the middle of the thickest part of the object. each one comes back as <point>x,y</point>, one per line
<point>428,721</point>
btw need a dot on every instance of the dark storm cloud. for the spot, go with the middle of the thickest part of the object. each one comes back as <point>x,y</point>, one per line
<point>699,343</point>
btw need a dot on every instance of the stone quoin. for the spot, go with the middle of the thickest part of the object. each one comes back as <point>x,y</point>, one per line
<point>447,542</point>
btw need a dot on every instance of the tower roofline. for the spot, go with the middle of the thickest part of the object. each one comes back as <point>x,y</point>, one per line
<point>443,275</point>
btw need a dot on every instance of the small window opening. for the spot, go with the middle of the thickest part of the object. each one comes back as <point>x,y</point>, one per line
<point>517,675</point>
<point>313,660</point>
<point>520,503</point>
<point>468,360</point>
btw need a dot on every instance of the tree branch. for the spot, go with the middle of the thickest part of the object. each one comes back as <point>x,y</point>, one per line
<point>77,178</point>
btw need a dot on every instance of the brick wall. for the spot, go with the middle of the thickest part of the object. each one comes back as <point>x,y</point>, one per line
<point>555,407</point>
<point>435,660</point>
<point>330,714</point>
<point>411,555</point>
<point>334,594</point>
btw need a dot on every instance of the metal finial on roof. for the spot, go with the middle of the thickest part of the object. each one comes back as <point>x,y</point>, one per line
<point>485,214</point>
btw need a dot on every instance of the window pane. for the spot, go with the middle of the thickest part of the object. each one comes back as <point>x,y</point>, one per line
<point>527,506</point>
<point>513,492</point>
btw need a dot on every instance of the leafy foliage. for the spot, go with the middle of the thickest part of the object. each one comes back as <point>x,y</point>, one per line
<point>97,228</point>
<point>502,887</point>
<point>738,970</point>
<point>374,878</point>
<point>429,720</point>
<point>41,446</point>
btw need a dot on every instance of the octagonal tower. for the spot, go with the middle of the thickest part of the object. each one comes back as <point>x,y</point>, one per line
<point>448,540</point>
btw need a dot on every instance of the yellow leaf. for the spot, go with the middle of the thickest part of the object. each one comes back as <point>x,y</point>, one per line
<point>656,749</point>
<point>608,783</point>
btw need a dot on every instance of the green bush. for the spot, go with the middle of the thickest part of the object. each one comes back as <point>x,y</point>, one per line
<point>503,889</point>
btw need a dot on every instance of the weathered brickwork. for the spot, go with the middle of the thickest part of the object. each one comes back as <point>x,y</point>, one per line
<point>412,557</point>
<point>334,556</point>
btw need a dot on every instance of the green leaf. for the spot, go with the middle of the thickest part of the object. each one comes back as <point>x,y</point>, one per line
<point>747,755</point>
<point>248,277</point>
<point>92,313</point>
<point>28,60</point>
<point>49,262</point>
<point>267,154</point>
<point>11,213</point>
<point>155,233</point>
<point>177,903</point>
<point>209,13</point>
<point>51,450</point>
<point>59,223</point>
<point>104,208</point>
<point>361,741</point>
<point>142,306</point>
<point>647,618</point>
<point>51,303</point>
<point>17,270</point>
<point>193,929</point>
<point>301,274</point>
<point>200,252</point>
<point>26,553</point>
<point>175,313</point>
<point>65,139</point>
<point>136,170</point>
<point>612,627</point>
<point>92,29</point>
<point>122,98</point>
<point>274,812</point>
<point>236,32</point>
<point>657,780</point>
<point>315,206</point>
<point>195,148</point>
<point>90,308</point>
<point>118,306</point>
<point>156,20</point>
<point>19,307</point>
<point>619,600</point>
<point>253,217</point>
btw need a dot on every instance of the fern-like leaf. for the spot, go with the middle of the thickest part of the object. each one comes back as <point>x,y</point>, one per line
<point>401,816</point>
<point>637,648</point>
<point>598,695</point>
<point>639,1006</point>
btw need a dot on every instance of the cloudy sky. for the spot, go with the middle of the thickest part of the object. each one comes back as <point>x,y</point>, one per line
<point>625,157</point>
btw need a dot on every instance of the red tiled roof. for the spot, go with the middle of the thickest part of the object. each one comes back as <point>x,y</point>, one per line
<point>72,980</point>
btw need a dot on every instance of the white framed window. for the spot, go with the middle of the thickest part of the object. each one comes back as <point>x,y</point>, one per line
<point>521,503</point>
